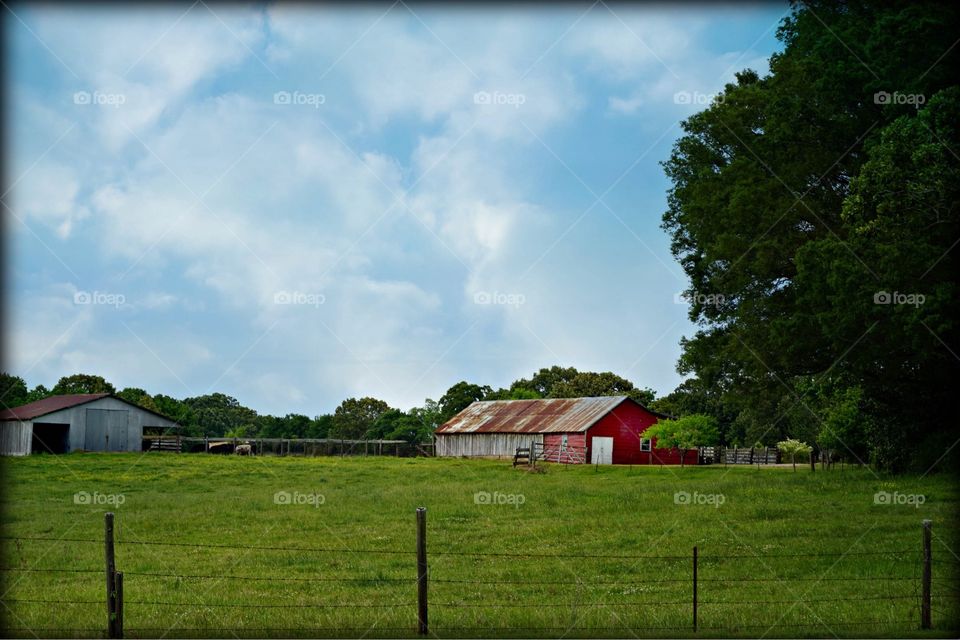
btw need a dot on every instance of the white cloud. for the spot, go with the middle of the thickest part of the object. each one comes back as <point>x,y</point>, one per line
<point>150,57</point>
<point>392,203</point>
<point>48,192</point>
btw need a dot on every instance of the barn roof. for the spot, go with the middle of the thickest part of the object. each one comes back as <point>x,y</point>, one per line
<point>57,403</point>
<point>553,415</point>
<point>49,405</point>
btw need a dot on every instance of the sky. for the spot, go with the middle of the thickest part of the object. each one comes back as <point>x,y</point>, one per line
<point>296,204</point>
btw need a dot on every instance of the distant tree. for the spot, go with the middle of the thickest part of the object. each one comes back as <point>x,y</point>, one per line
<point>245,431</point>
<point>589,384</point>
<point>138,397</point>
<point>355,417</point>
<point>429,414</point>
<point>686,433</point>
<point>695,396</point>
<point>180,412</point>
<point>397,425</point>
<point>217,413</point>
<point>428,417</point>
<point>545,380</point>
<point>13,390</point>
<point>82,383</point>
<point>459,397</point>
<point>292,425</point>
<point>518,393</point>
<point>297,425</point>
<point>567,382</point>
<point>794,448</point>
<point>269,427</point>
<point>320,426</point>
<point>39,392</point>
<point>644,396</point>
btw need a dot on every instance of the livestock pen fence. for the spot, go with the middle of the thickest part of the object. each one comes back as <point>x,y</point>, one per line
<point>456,593</point>
<point>286,446</point>
<point>739,455</point>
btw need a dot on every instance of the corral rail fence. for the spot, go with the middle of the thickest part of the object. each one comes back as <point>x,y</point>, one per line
<point>115,602</point>
<point>175,443</point>
<point>577,454</point>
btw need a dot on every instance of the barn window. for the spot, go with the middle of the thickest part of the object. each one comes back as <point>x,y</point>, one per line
<point>563,441</point>
<point>644,444</point>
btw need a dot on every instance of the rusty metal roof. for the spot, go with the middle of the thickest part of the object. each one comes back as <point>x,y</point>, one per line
<point>554,415</point>
<point>56,403</point>
<point>49,405</point>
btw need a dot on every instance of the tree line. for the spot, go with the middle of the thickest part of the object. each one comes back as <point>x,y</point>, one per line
<point>220,415</point>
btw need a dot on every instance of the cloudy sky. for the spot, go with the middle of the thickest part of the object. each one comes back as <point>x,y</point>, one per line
<point>294,205</point>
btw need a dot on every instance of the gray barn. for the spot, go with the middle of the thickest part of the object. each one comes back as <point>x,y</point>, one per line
<point>78,422</point>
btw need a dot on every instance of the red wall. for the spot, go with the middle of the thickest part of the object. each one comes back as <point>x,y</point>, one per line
<point>625,424</point>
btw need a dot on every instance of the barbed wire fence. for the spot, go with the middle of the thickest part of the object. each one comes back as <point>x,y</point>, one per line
<point>913,609</point>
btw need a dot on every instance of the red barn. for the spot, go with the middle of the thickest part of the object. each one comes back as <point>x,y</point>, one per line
<point>604,430</point>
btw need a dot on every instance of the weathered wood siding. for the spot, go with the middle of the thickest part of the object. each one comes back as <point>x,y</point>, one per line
<point>15,438</point>
<point>470,445</point>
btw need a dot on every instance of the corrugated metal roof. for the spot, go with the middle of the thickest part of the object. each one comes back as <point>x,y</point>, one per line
<point>554,415</point>
<point>49,405</point>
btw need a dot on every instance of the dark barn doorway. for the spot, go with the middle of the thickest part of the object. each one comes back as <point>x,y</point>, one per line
<point>50,437</point>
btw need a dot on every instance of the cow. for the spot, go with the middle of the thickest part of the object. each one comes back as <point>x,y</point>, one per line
<point>245,449</point>
<point>220,447</point>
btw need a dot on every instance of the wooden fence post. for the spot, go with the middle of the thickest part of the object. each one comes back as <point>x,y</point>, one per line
<point>813,462</point>
<point>111,577</point>
<point>695,589</point>
<point>422,626</point>
<point>927,575</point>
<point>119,590</point>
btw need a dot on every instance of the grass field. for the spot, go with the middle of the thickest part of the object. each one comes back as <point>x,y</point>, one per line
<point>782,554</point>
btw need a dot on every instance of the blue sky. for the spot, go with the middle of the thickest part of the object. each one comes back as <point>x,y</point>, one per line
<point>293,204</point>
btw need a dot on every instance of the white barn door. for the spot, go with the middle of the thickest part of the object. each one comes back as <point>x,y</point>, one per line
<point>601,450</point>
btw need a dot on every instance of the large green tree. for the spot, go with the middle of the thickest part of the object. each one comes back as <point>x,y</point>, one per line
<point>355,417</point>
<point>568,382</point>
<point>82,383</point>
<point>138,397</point>
<point>800,197</point>
<point>215,414</point>
<point>13,390</point>
<point>459,397</point>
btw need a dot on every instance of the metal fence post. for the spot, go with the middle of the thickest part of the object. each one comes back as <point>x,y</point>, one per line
<point>927,575</point>
<point>119,591</point>
<point>422,627</point>
<point>111,577</point>
<point>695,589</point>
